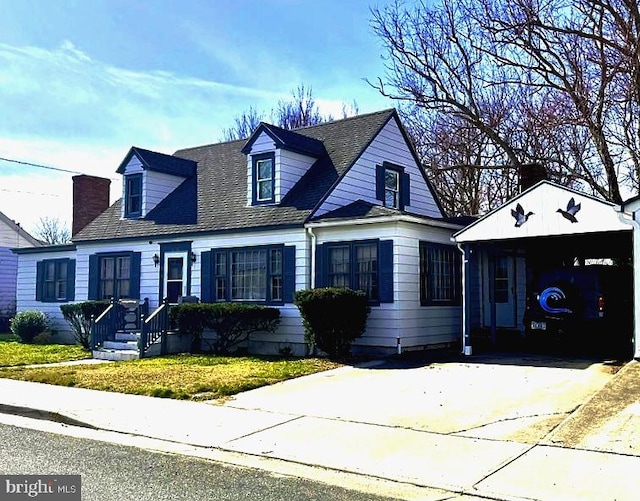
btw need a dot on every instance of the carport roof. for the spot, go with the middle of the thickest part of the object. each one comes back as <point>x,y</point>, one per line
<point>545,209</point>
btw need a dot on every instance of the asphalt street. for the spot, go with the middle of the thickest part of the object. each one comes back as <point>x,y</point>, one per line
<point>113,472</point>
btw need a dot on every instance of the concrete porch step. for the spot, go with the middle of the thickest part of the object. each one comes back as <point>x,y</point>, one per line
<point>115,355</point>
<point>121,345</point>
<point>127,335</point>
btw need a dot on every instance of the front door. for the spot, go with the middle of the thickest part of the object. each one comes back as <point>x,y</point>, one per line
<point>175,275</point>
<point>499,285</point>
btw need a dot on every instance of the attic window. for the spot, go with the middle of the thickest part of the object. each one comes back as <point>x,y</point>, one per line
<point>392,186</point>
<point>133,195</point>
<point>264,178</point>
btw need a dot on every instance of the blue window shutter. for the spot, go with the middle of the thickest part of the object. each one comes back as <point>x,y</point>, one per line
<point>380,182</point>
<point>39,280</point>
<point>385,248</point>
<point>71,280</point>
<point>289,277</point>
<point>205,277</point>
<point>406,190</point>
<point>94,276</point>
<point>322,278</point>
<point>135,275</point>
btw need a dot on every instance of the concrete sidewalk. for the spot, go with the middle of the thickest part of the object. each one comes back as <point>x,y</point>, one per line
<point>427,426</point>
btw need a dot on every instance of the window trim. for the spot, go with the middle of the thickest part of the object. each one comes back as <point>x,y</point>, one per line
<point>69,279</point>
<point>128,183</point>
<point>404,186</point>
<point>94,272</point>
<point>255,159</point>
<point>352,245</point>
<point>226,277</point>
<point>456,273</point>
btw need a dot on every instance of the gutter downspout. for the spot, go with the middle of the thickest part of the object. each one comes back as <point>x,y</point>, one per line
<point>312,273</point>
<point>636,276</point>
<point>466,320</point>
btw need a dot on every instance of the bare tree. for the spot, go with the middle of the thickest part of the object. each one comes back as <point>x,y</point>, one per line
<point>299,111</point>
<point>244,125</point>
<point>551,82</point>
<point>52,231</point>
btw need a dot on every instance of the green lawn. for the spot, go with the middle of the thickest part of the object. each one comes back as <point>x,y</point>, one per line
<point>196,377</point>
<point>14,353</point>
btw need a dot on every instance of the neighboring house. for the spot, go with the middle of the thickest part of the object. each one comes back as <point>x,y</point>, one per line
<point>339,204</point>
<point>11,236</point>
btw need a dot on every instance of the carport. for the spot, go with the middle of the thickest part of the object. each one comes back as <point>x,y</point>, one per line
<point>546,226</point>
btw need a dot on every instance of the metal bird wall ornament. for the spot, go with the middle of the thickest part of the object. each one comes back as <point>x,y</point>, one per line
<point>570,213</point>
<point>519,215</point>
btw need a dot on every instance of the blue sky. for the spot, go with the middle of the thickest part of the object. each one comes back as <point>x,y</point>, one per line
<point>81,81</point>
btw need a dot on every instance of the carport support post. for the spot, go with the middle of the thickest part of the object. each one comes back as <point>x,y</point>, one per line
<point>466,298</point>
<point>492,298</point>
<point>636,285</point>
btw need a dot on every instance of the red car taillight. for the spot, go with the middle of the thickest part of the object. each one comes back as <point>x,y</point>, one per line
<point>600,305</point>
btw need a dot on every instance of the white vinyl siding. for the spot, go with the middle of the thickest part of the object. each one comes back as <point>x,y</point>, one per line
<point>291,168</point>
<point>360,181</point>
<point>8,275</point>
<point>417,326</point>
<point>155,188</point>
<point>26,292</point>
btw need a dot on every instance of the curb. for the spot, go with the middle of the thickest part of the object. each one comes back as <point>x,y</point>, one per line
<point>43,415</point>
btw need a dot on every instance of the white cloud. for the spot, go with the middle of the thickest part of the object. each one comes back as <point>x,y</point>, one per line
<point>62,108</point>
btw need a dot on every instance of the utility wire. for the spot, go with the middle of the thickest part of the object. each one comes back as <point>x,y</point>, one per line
<point>40,166</point>
<point>30,192</point>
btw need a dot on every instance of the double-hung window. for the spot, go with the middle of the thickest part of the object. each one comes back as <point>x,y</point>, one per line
<point>439,274</point>
<point>115,277</point>
<point>354,265</point>
<point>55,280</point>
<point>264,178</point>
<point>133,195</point>
<point>249,274</point>
<point>393,186</point>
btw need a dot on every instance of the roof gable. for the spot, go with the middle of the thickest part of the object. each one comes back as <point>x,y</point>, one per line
<point>545,209</point>
<point>14,235</point>
<point>159,162</point>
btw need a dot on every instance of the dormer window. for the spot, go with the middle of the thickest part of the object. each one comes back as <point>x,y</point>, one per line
<point>264,178</point>
<point>133,195</point>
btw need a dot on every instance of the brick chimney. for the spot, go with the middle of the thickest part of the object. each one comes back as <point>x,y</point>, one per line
<point>90,199</point>
<point>530,174</point>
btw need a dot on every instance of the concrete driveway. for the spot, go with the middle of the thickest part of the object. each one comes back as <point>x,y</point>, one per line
<point>509,398</point>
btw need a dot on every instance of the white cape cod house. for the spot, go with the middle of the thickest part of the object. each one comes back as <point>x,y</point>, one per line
<point>339,204</point>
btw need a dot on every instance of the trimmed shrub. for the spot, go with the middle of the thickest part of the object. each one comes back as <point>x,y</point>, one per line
<point>232,323</point>
<point>333,318</point>
<point>42,338</point>
<point>28,324</point>
<point>78,315</point>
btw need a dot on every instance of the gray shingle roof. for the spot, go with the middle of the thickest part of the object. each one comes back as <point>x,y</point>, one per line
<point>160,162</point>
<point>288,140</point>
<point>216,199</point>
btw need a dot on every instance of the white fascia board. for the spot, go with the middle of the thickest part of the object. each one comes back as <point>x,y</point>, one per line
<point>384,219</point>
